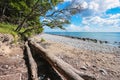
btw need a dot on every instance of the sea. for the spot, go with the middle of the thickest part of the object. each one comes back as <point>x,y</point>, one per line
<point>113,38</point>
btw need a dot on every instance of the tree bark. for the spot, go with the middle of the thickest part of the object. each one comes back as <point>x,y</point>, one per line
<point>33,65</point>
<point>62,67</point>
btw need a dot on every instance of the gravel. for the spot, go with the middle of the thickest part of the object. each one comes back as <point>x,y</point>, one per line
<point>77,43</point>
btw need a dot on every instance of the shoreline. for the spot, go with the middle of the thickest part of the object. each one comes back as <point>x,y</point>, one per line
<point>80,44</point>
<point>115,43</point>
<point>101,61</point>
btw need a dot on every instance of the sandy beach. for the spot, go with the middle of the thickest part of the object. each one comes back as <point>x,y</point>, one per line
<point>77,43</point>
<point>99,60</point>
<point>12,63</point>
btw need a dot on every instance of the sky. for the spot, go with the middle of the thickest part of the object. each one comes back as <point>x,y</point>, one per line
<point>96,16</point>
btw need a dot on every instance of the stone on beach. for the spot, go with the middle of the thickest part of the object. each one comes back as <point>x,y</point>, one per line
<point>97,59</point>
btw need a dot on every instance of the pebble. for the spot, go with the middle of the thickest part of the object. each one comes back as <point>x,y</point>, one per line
<point>103,71</point>
<point>83,68</point>
<point>18,56</point>
<point>94,66</point>
<point>5,67</point>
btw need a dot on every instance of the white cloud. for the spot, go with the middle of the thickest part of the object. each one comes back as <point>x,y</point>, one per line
<point>48,29</point>
<point>98,6</point>
<point>112,20</point>
<point>67,0</point>
<point>108,4</point>
<point>103,5</point>
<point>84,5</point>
<point>96,19</point>
<point>86,28</point>
<point>115,16</point>
<point>74,28</point>
<point>93,5</point>
<point>56,8</point>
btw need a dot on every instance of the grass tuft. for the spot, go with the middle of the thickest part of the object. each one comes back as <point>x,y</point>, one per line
<point>9,29</point>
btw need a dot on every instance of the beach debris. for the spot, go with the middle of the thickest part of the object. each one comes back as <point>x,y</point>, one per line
<point>33,65</point>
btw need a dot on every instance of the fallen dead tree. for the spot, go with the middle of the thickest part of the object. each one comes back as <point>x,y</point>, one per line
<point>62,67</point>
<point>32,63</point>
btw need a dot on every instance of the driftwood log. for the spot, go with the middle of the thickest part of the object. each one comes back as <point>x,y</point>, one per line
<point>32,63</point>
<point>62,67</point>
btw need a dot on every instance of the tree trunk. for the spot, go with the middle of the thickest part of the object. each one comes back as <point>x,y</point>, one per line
<point>62,67</point>
<point>33,65</point>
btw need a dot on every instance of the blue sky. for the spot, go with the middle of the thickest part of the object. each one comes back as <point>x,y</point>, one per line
<point>97,16</point>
